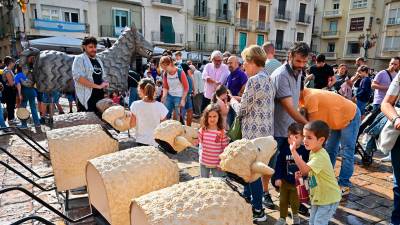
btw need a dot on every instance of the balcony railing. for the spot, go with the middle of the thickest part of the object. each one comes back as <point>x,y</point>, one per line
<point>223,15</point>
<point>303,19</point>
<point>282,15</point>
<point>262,26</point>
<point>392,49</point>
<point>111,31</point>
<point>167,37</point>
<point>244,24</point>
<point>332,33</point>
<point>175,3</point>
<point>329,55</point>
<point>281,45</point>
<point>333,13</point>
<point>393,21</point>
<point>60,26</point>
<point>201,12</point>
<point>209,47</point>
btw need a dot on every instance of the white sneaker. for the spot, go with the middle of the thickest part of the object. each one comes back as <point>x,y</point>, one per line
<point>387,158</point>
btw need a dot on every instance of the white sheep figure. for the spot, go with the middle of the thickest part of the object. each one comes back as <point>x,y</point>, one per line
<point>117,117</point>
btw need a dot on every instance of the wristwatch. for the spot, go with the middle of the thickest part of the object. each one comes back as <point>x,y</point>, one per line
<point>394,120</point>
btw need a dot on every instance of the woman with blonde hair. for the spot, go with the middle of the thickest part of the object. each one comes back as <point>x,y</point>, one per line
<point>256,112</point>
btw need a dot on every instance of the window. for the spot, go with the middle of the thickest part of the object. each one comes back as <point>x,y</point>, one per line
<point>394,16</point>
<point>331,47</point>
<point>333,25</point>
<point>357,24</point>
<point>392,43</point>
<point>50,13</point>
<point>71,17</point>
<point>336,6</point>
<point>221,38</point>
<point>200,35</point>
<point>279,39</point>
<point>357,4</point>
<point>300,36</point>
<point>353,48</point>
<point>282,7</point>
<point>302,12</point>
<point>260,39</point>
<point>167,30</point>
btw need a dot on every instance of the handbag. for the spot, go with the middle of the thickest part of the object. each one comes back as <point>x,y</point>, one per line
<point>302,188</point>
<point>388,136</point>
<point>235,131</point>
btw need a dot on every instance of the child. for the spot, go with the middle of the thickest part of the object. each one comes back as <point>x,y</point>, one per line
<point>285,175</point>
<point>364,91</point>
<point>147,113</point>
<point>325,193</point>
<point>159,89</point>
<point>213,140</point>
<point>221,98</point>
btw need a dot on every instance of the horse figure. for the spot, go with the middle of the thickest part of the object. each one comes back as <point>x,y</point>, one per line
<point>52,70</point>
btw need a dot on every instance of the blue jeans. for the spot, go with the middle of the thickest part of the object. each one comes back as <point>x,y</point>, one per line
<point>231,116</point>
<point>172,103</point>
<point>361,106</point>
<point>133,95</point>
<point>376,107</point>
<point>205,172</point>
<point>396,178</point>
<point>347,138</point>
<point>2,122</point>
<point>29,95</point>
<point>254,192</point>
<point>321,214</point>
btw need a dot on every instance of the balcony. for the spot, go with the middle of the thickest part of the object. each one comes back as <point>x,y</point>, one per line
<point>60,26</point>
<point>330,34</point>
<point>262,26</point>
<point>201,13</point>
<point>332,14</point>
<point>209,47</point>
<point>223,15</point>
<point>330,55</point>
<point>174,4</point>
<point>282,46</point>
<point>316,31</point>
<point>303,19</point>
<point>282,16</point>
<point>243,24</point>
<point>166,37</point>
<point>393,21</point>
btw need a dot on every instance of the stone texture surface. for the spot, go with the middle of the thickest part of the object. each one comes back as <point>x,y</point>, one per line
<point>75,119</point>
<point>70,149</point>
<point>196,202</point>
<point>178,136</point>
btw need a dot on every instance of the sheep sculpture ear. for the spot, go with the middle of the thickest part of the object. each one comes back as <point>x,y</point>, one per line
<point>259,167</point>
<point>181,143</point>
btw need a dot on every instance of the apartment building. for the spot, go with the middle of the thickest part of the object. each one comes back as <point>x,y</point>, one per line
<point>252,22</point>
<point>290,21</point>
<point>390,32</point>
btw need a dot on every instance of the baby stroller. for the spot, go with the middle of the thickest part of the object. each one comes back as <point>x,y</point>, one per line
<point>367,151</point>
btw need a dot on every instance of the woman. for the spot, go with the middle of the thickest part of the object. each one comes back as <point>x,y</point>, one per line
<point>26,93</point>
<point>341,76</point>
<point>256,109</point>
<point>392,113</point>
<point>175,87</point>
<point>9,93</point>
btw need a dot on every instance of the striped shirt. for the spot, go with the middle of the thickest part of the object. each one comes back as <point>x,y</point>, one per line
<point>213,143</point>
<point>271,65</point>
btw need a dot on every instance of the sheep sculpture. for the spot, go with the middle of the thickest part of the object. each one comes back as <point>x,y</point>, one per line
<point>75,119</point>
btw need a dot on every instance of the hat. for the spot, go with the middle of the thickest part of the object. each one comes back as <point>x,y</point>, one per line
<point>23,114</point>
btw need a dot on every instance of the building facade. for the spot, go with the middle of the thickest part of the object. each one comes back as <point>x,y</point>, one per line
<point>210,26</point>
<point>290,21</point>
<point>252,22</point>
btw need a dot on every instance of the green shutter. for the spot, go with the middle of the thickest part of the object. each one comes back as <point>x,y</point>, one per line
<point>167,34</point>
<point>260,39</point>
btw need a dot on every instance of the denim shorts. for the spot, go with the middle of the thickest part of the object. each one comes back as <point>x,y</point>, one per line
<point>70,97</point>
<point>52,97</point>
<point>189,102</point>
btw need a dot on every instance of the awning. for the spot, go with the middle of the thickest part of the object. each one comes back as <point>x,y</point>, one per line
<point>60,43</point>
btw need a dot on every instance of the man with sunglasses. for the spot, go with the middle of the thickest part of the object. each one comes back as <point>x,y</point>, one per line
<point>214,74</point>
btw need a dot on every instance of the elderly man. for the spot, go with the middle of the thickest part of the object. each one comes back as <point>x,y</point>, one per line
<point>214,74</point>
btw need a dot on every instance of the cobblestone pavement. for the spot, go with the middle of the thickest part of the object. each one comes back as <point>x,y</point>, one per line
<point>369,202</point>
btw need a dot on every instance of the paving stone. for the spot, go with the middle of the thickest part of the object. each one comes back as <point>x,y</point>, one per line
<point>373,201</point>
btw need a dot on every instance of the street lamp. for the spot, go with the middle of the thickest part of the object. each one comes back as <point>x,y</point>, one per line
<point>367,41</point>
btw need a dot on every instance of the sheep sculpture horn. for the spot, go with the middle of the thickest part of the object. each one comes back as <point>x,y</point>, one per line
<point>259,167</point>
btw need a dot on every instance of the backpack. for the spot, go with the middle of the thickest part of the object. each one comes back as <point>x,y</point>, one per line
<point>189,79</point>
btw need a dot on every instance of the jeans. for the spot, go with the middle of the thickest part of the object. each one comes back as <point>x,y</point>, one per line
<point>396,178</point>
<point>133,95</point>
<point>361,106</point>
<point>321,214</point>
<point>347,138</point>
<point>29,95</point>
<point>254,192</point>
<point>173,103</point>
<point>376,107</point>
<point>205,172</point>
<point>2,122</point>
<point>197,101</point>
<point>231,116</point>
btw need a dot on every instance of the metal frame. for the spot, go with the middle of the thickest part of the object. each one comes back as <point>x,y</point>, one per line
<point>38,218</point>
<point>45,204</point>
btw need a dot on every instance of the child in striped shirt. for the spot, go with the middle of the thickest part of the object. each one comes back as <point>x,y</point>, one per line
<point>213,140</point>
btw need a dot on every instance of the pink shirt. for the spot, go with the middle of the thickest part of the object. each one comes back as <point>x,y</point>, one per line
<point>220,75</point>
<point>213,143</point>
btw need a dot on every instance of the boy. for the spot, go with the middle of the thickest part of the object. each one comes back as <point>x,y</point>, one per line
<point>325,193</point>
<point>364,92</point>
<point>285,175</point>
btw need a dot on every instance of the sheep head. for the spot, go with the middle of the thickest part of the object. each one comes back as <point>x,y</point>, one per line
<point>117,117</point>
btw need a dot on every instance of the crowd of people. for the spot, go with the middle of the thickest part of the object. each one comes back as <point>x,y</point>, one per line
<point>312,109</point>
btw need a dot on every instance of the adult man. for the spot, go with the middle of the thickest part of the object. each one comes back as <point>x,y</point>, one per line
<point>226,56</point>
<point>236,82</point>
<point>287,81</point>
<point>271,64</point>
<point>343,118</point>
<point>382,81</point>
<point>214,74</point>
<point>198,89</point>
<point>389,109</point>
<point>88,73</point>
<point>324,76</point>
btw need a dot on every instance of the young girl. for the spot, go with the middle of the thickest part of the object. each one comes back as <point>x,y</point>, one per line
<point>147,113</point>
<point>213,140</point>
<point>221,98</point>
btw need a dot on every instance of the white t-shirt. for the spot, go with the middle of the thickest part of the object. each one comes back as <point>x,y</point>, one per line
<point>148,116</point>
